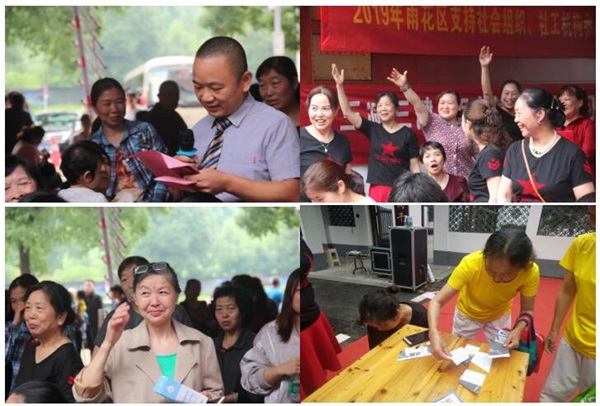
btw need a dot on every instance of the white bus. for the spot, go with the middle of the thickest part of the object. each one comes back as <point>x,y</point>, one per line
<point>146,80</point>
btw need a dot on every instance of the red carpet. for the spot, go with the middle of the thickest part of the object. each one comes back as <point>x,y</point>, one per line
<point>544,311</point>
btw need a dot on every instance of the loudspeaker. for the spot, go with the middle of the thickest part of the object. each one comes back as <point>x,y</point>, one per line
<point>381,261</point>
<point>409,256</point>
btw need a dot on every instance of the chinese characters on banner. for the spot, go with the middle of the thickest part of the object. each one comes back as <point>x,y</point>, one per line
<point>509,31</point>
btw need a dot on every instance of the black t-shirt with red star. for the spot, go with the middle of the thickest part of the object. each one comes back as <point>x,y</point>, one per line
<point>555,174</point>
<point>312,150</point>
<point>390,154</point>
<point>488,165</point>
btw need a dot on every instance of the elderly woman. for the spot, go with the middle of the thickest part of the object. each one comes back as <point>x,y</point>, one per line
<point>543,167</point>
<point>443,126</point>
<point>279,87</point>
<point>47,314</point>
<point>21,178</point>
<point>272,366</point>
<point>128,363</point>
<point>393,145</point>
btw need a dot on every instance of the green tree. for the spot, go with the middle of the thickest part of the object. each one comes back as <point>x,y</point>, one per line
<point>259,222</point>
<point>236,21</point>
<point>33,232</point>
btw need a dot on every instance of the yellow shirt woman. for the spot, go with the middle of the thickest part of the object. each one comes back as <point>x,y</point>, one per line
<point>481,298</point>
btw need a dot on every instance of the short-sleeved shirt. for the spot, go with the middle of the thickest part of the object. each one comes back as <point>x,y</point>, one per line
<point>59,368</point>
<point>311,150</point>
<point>555,173</point>
<point>261,144</point>
<point>460,151</point>
<point>483,300</point>
<point>456,189</point>
<point>488,165</point>
<point>580,331</point>
<point>390,153</point>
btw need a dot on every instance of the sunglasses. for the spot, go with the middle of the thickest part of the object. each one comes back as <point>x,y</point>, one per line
<point>156,267</point>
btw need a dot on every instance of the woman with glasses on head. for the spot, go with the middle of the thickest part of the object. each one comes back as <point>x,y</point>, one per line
<point>233,310</point>
<point>272,367</point>
<point>128,363</point>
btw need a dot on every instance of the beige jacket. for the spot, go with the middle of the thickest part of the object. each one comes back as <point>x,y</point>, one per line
<point>132,369</point>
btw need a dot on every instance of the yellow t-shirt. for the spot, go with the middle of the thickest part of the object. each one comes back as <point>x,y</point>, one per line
<point>480,298</point>
<point>580,259</point>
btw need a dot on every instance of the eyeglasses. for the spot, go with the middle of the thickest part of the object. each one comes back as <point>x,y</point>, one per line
<point>156,266</point>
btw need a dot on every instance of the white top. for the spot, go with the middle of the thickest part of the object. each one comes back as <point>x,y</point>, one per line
<point>82,195</point>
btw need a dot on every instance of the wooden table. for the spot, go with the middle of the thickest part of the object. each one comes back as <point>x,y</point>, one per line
<point>378,377</point>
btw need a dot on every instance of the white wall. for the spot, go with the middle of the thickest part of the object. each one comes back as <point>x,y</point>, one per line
<point>550,248</point>
<point>317,233</point>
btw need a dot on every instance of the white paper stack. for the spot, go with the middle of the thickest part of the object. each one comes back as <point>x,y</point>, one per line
<point>472,380</point>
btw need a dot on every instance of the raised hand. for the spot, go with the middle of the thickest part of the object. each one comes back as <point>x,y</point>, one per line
<point>338,76</point>
<point>117,324</point>
<point>485,56</point>
<point>397,78</point>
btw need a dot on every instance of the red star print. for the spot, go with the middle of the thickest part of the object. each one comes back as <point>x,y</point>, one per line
<point>528,189</point>
<point>587,168</point>
<point>389,149</point>
<point>71,380</point>
<point>493,164</point>
<point>329,158</point>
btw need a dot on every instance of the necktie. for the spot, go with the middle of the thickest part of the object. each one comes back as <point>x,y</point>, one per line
<point>213,153</point>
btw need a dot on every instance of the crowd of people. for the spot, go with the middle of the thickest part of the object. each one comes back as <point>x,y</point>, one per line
<point>486,284</point>
<point>241,347</point>
<point>526,145</point>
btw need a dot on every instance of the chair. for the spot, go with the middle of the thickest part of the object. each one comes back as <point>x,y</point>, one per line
<point>331,257</point>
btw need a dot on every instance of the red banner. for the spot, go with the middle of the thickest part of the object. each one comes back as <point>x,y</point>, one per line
<point>362,100</point>
<point>566,32</point>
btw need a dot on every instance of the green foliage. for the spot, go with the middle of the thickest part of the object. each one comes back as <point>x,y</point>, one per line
<point>31,28</point>
<point>238,21</point>
<point>130,36</point>
<point>259,222</point>
<point>55,234</point>
<point>208,243</point>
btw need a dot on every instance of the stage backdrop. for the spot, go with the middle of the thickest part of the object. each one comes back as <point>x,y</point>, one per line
<point>528,32</point>
<point>362,99</point>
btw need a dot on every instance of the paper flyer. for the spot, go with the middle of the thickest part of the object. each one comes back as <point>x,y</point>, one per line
<point>472,380</point>
<point>497,349</point>
<point>452,397</point>
<point>414,352</point>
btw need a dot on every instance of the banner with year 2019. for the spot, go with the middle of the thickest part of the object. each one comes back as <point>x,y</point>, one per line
<point>566,32</point>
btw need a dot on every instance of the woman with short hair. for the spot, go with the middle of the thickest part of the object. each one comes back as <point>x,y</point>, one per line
<point>128,363</point>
